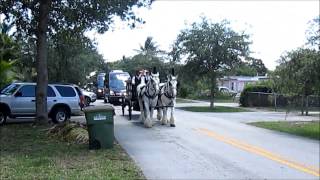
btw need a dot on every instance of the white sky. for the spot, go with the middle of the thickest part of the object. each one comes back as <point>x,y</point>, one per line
<point>274,26</point>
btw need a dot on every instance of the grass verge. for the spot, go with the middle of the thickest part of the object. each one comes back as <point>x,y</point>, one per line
<point>179,100</point>
<point>215,109</point>
<point>216,99</point>
<point>309,129</point>
<point>284,109</point>
<point>27,152</point>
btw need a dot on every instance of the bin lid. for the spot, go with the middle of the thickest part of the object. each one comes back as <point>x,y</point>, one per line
<point>99,108</point>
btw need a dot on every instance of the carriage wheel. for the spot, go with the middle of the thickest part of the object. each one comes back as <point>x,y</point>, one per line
<point>130,109</point>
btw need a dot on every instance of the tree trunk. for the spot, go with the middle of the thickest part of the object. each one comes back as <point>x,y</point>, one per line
<point>41,59</point>
<point>307,105</point>
<point>302,104</point>
<point>212,90</point>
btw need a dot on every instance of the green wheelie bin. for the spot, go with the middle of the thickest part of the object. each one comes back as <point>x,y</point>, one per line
<point>100,126</point>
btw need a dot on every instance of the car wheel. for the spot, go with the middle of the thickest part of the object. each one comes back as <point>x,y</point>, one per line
<point>87,101</point>
<point>60,115</point>
<point>3,118</point>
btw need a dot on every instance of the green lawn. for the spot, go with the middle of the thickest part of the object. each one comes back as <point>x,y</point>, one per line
<point>287,109</point>
<point>215,109</point>
<point>217,99</point>
<point>306,129</point>
<point>178,100</point>
<point>28,153</point>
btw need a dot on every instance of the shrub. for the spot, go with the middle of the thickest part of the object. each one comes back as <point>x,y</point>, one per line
<point>183,92</point>
<point>247,98</point>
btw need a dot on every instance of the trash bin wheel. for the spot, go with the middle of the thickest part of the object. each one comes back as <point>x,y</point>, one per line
<point>94,144</point>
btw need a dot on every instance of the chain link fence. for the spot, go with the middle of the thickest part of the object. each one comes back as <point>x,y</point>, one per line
<point>280,101</point>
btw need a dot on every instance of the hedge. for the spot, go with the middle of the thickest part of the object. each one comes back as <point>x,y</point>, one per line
<point>247,98</point>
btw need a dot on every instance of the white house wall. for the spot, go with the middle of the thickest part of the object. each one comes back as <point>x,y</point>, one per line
<point>238,84</point>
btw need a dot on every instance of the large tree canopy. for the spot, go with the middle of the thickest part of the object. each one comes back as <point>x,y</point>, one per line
<point>45,18</point>
<point>313,33</point>
<point>70,15</point>
<point>298,72</point>
<point>72,57</point>
<point>211,48</point>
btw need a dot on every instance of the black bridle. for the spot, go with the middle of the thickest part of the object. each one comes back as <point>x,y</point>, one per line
<point>151,85</point>
<point>169,94</point>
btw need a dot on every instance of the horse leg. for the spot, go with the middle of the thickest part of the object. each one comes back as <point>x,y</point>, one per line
<point>153,104</point>
<point>164,117</point>
<point>141,117</point>
<point>151,115</point>
<point>159,113</point>
<point>147,122</point>
<point>151,112</point>
<point>172,118</point>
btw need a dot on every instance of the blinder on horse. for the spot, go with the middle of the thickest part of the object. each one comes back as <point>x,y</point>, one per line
<point>150,88</point>
<point>151,85</point>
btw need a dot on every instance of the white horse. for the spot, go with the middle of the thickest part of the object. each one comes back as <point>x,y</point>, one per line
<point>147,97</point>
<point>167,99</point>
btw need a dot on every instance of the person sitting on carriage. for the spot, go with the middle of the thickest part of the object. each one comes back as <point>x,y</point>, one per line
<point>136,79</point>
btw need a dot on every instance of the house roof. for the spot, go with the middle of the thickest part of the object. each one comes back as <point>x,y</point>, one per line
<point>244,78</point>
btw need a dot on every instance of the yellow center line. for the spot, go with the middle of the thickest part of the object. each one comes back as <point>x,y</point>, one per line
<point>257,150</point>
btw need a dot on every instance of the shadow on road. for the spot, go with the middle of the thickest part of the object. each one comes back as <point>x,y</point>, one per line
<point>155,123</point>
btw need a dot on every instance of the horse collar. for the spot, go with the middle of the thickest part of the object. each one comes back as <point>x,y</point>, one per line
<point>147,91</point>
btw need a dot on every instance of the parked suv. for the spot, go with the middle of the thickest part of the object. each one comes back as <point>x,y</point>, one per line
<point>18,100</point>
<point>89,97</point>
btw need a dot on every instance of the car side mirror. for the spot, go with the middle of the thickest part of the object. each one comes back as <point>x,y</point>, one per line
<point>18,94</point>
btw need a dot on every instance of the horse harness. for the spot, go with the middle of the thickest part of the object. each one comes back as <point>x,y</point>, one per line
<point>147,92</point>
<point>166,94</point>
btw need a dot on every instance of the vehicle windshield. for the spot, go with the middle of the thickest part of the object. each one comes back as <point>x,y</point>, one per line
<point>100,80</point>
<point>9,90</point>
<point>117,81</point>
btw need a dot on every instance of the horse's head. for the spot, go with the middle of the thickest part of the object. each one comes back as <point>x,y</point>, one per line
<point>172,83</point>
<point>142,79</point>
<point>155,80</point>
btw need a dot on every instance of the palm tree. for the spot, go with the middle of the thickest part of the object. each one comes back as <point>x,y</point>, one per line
<point>8,54</point>
<point>150,48</point>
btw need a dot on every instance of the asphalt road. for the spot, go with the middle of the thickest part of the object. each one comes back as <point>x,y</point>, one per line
<point>218,146</point>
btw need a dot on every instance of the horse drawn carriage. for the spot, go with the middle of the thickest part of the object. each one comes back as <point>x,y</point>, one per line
<point>130,99</point>
<point>144,93</point>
